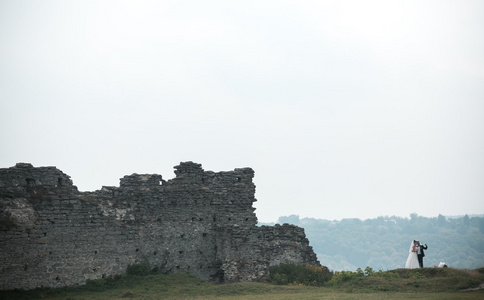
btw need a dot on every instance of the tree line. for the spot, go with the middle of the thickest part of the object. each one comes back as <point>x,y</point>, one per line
<point>383,243</point>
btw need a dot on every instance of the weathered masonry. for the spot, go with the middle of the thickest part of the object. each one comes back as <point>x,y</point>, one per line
<point>201,222</point>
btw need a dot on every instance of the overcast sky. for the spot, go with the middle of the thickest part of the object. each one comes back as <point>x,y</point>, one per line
<point>344,109</point>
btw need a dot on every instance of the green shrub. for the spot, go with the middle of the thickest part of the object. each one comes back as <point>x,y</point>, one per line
<point>369,271</point>
<point>343,276</point>
<point>280,279</point>
<point>141,269</point>
<point>299,275</point>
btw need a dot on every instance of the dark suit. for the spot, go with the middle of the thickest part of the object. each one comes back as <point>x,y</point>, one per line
<point>421,254</point>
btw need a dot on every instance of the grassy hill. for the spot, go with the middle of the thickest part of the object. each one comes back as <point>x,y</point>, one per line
<point>427,283</point>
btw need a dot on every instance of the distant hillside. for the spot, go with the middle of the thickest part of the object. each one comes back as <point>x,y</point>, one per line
<point>383,243</point>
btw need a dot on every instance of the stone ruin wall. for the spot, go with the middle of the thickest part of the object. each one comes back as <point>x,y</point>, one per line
<point>201,222</point>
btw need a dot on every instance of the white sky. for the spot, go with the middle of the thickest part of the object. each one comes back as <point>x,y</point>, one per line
<point>343,108</point>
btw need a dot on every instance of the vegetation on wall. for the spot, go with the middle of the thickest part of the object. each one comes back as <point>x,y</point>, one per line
<point>299,275</point>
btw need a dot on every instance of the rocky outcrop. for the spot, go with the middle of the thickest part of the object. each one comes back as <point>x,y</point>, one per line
<point>200,222</point>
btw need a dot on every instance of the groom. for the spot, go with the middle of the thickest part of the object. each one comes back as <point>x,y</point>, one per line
<point>420,253</point>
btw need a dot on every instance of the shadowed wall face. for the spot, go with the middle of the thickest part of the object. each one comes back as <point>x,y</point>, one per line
<point>200,222</point>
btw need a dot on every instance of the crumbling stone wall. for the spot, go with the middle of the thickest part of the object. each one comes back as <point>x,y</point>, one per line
<point>200,222</point>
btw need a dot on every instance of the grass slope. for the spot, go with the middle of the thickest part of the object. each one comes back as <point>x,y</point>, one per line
<point>427,283</point>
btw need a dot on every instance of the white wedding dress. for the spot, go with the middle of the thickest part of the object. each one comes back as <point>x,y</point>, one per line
<point>412,260</point>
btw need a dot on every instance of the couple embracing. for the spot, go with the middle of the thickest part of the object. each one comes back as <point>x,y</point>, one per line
<point>415,256</point>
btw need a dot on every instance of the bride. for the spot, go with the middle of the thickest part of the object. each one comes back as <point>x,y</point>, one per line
<point>412,260</point>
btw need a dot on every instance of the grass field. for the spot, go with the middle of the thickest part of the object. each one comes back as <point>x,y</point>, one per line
<point>427,283</point>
